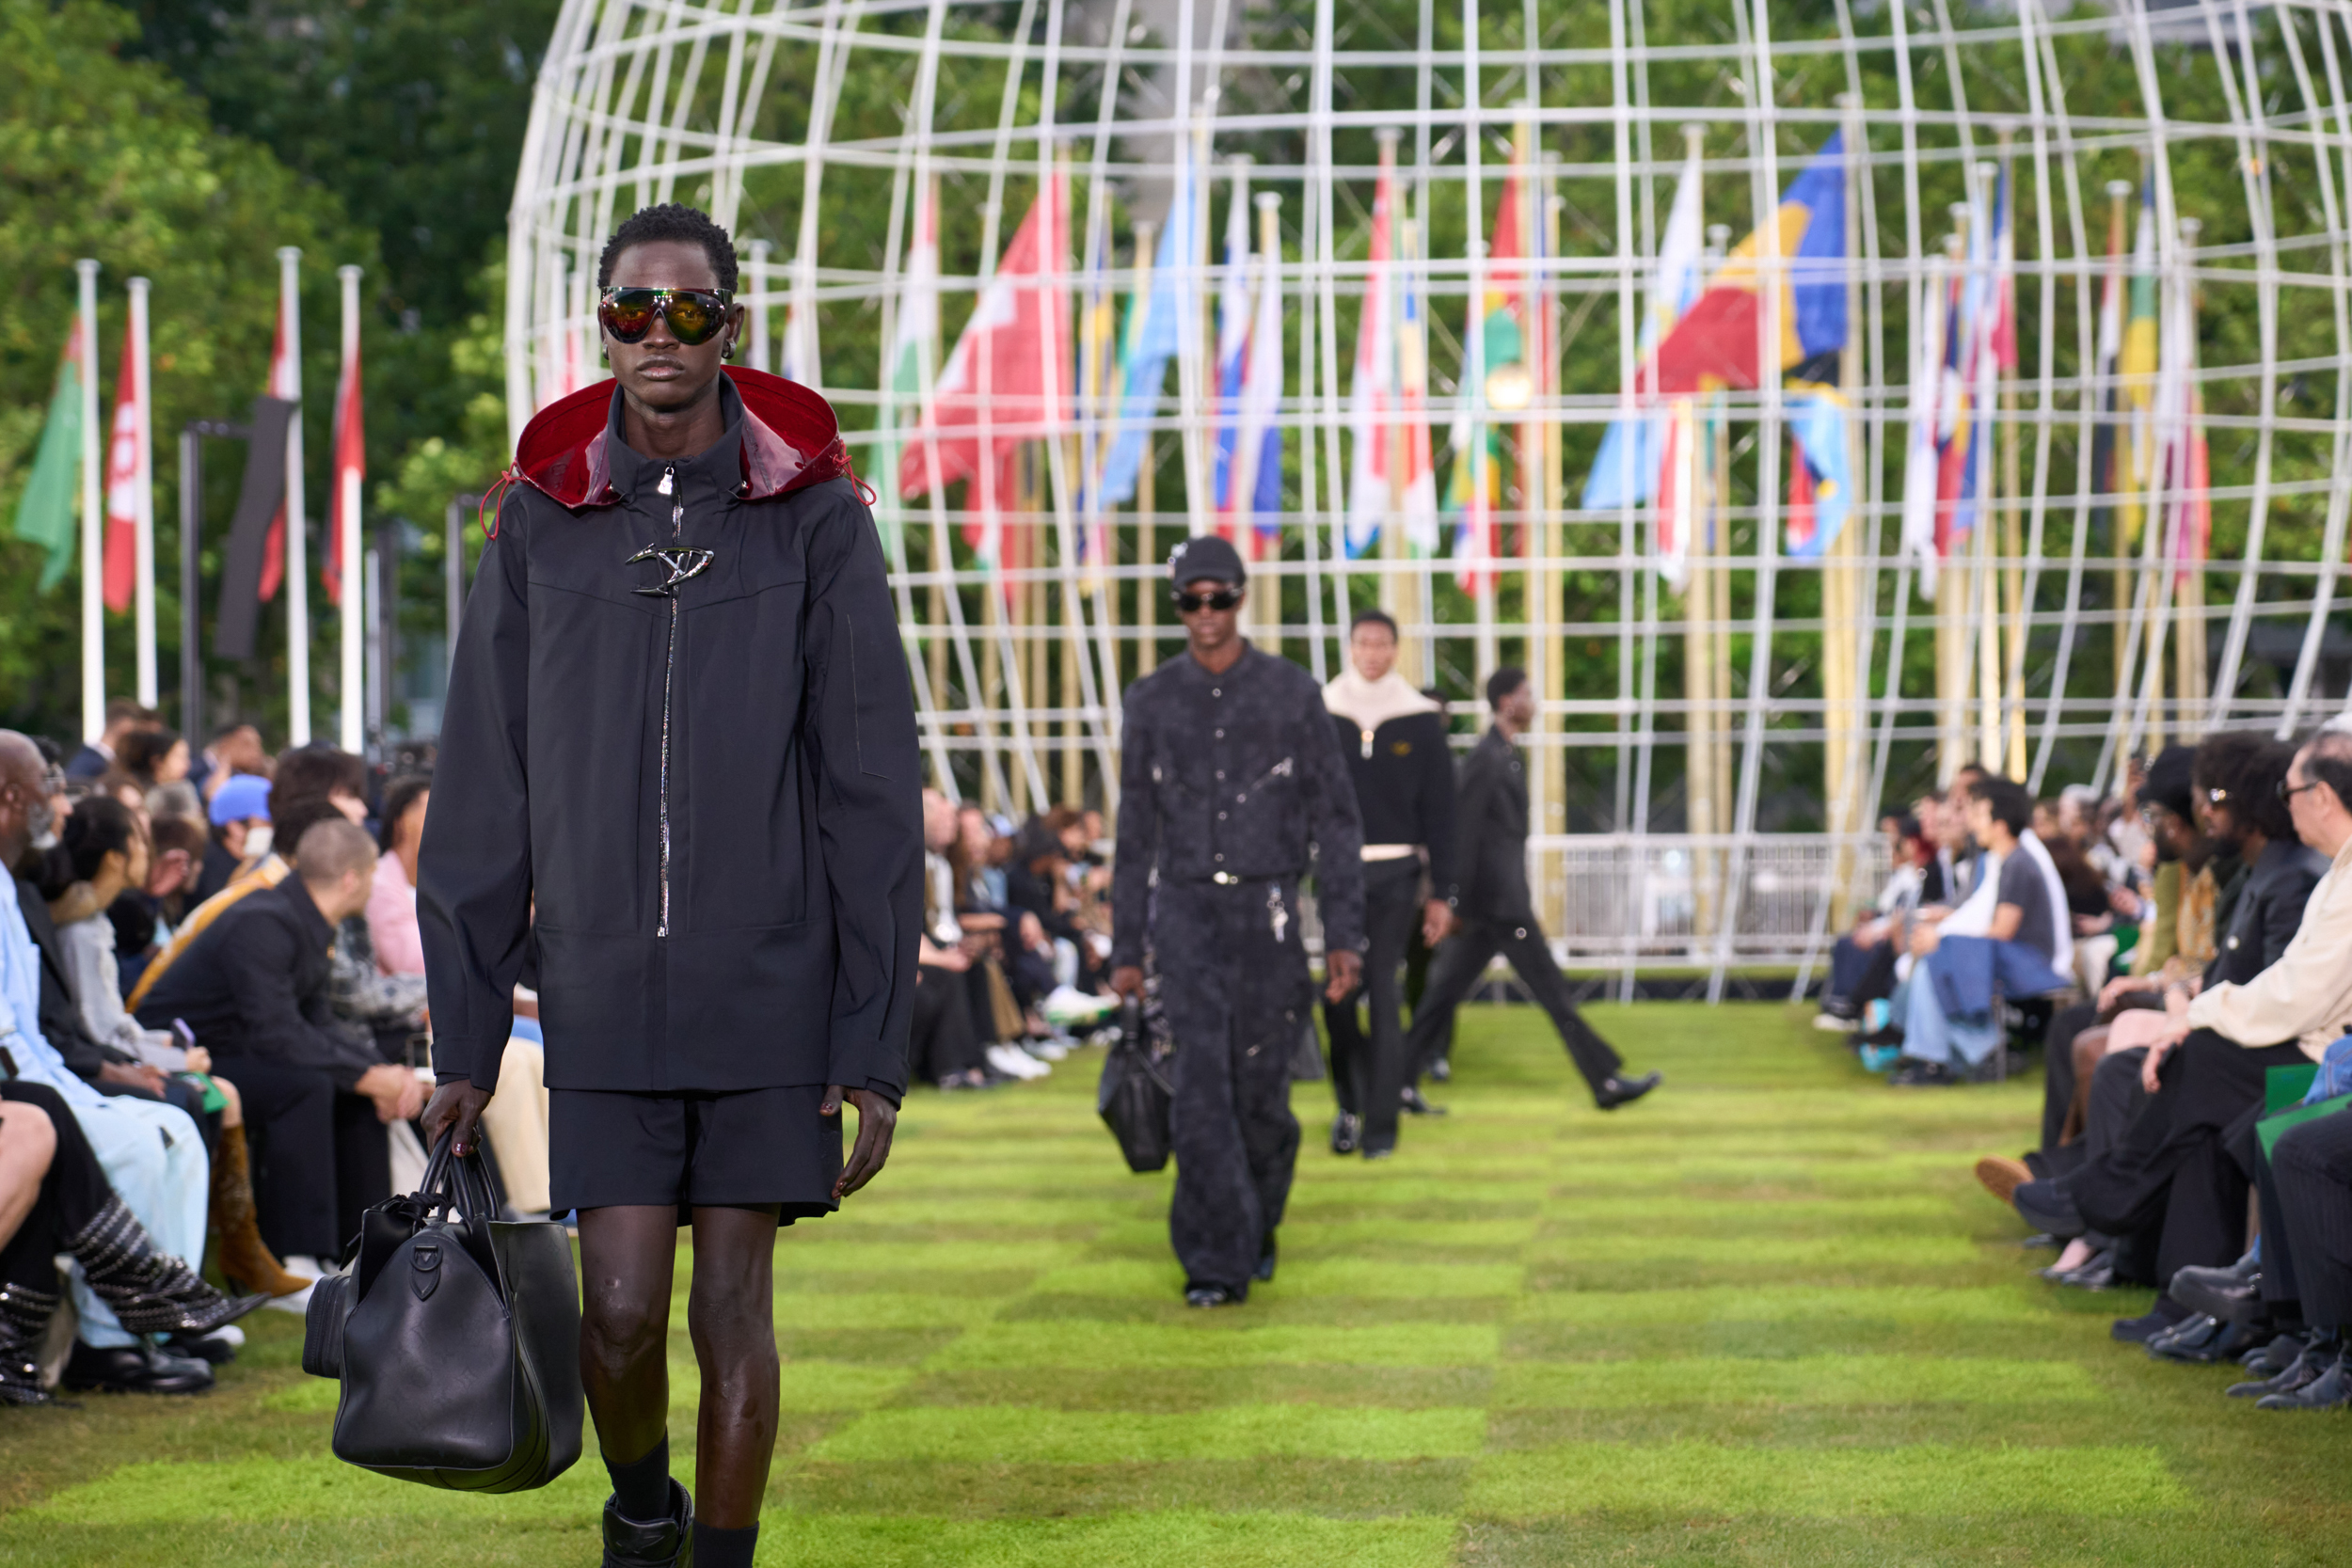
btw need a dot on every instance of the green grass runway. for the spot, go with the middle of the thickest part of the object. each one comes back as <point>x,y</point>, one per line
<point>1765,1317</point>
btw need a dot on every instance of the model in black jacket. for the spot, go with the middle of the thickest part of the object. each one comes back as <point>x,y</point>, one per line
<point>680,737</point>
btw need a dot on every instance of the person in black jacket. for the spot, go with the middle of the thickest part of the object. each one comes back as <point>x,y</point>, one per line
<point>1228,772</point>
<point>1393,740</point>
<point>1495,913</point>
<point>318,1095</point>
<point>679,719</point>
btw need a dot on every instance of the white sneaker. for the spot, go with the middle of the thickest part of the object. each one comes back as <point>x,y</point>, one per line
<point>1831,1024</point>
<point>1013,1062</point>
<point>1047,1050</point>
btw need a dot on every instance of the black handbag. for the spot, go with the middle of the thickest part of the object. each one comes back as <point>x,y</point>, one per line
<point>1135,1094</point>
<point>456,1335</point>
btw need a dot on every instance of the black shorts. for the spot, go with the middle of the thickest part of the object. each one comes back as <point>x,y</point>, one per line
<point>744,1149</point>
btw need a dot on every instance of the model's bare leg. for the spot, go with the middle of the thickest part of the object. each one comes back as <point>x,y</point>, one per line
<point>731,1314</point>
<point>627,1258</point>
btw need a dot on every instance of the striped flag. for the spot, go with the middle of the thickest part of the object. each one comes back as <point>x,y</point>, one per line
<point>350,472</point>
<point>1251,484</point>
<point>284,382</point>
<point>1633,450</point>
<point>1373,394</point>
<point>2136,366</point>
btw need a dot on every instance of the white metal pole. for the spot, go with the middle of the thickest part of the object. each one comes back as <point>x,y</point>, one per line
<point>351,680</point>
<point>143,494</point>
<point>93,514</point>
<point>298,524</point>
<point>758,304</point>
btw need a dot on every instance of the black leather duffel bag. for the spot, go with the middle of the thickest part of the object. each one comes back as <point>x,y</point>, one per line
<point>456,1335</point>
<point>1135,1095</point>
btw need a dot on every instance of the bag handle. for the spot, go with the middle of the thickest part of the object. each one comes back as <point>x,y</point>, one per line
<point>455,1185</point>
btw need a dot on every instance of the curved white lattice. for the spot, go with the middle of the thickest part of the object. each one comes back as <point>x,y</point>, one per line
<point>1726,695</point>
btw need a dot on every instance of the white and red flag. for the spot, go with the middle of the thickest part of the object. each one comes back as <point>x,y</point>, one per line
<point>125,475</point>
<point>351,472</point>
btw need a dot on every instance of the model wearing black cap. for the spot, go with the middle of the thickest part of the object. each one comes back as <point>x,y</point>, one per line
<point>1229,773</point>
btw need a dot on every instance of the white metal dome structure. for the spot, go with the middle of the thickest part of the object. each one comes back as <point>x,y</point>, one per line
<point>2017,438</point>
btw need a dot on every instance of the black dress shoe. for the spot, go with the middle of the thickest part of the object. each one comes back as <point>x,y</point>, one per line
<point>1209,1295</point>
<point>1265,1259</point>
<point>2308,1368</point>
<point>2227,1293</point>
<point>663,1543</point>
<point>1916,1074</point>
<point>2269,1361</point>
<point>214,1349</point>
<point>2190,1333</point>
<point>2330,1390</point>
<point>2203,1340</point>
<point>1346,1128</point>
<point>2139,1330</point>
<point>2047,1206</point>
<point>1615,1091</point>
<point>1415,1105</point>
<point>139,1369</point>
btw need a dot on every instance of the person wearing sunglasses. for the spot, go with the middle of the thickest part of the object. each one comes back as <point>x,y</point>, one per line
<point>1230,774</point>
<point>679,723</point>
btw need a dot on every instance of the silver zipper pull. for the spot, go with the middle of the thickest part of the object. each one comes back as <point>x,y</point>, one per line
<point>667,475</point>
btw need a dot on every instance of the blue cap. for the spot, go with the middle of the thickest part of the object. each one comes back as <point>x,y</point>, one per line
<point>244,796</point>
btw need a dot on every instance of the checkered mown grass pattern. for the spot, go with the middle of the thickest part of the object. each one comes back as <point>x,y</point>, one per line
<point>1765,1317</point>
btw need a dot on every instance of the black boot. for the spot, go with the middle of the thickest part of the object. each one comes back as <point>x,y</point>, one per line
<point>663,1544</point>
<point>25,1315</point>
<point>149,1292</point>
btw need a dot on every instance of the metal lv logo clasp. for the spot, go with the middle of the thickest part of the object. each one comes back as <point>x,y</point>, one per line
<point>683,561</point>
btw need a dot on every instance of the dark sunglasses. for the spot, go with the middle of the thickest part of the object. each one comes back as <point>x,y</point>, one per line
<point>2288,793</point>
<point>694,315</point>
<point>1222,598</point>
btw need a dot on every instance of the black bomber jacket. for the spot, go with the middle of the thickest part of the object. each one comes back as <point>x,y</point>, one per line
<point>679,751</point>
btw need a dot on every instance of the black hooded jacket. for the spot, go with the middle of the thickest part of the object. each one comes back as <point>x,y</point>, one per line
<point>710,794</point>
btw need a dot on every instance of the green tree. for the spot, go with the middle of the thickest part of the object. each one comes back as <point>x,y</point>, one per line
<point>112,158</point>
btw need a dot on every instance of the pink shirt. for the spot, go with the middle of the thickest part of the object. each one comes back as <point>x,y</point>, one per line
<point>392,920</point>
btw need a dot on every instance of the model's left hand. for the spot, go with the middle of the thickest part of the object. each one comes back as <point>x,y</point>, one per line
<point>1344,970</point>
<point>1437,919</point>
<point>877,1120</point>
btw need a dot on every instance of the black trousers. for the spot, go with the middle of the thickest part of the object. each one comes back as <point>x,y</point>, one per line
<point>1368,1074</point>
<point>1858,975</point>
<point>1233,984</point>
<point>2312,1166</point>
<point>2058,1068</point>
<point>1463,959</point>
<point>319,1157</point>
<point>71,1194</point>
<point>942,1040</point>
<point>2168,1172</point>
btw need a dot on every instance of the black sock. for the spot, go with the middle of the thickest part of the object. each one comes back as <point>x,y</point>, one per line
<point>724,1548</point>
<point>641,1488</point>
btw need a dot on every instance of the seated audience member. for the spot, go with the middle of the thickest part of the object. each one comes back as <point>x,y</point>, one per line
<point>236,749</point>
<point>123,718</point>
<point>943,1045</point>
<point>145,914</point>
<point>1862,964</point>
<point>255,988</point>
<point>2306,1239</point>
<point>392,901</point>
<point>2164,1170</point>
<point>55,1198</point>
<point>241,833</point>
<point>1949,1013</point>
<point>151,1151</point>
<point>155,757</point>
<point>293,818</point>
<point>322,769</point>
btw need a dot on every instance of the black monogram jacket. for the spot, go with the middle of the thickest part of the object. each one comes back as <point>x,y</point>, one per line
<point>680,725</point>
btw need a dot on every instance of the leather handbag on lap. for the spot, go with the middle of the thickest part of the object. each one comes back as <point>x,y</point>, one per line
<point>456,1335</point>
<point>1135,1094</point>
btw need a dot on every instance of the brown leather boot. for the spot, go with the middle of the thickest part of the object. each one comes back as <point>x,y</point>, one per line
<point>243,1257</point>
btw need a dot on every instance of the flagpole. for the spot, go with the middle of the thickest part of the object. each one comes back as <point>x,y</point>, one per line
<point>1146,483</point>
<point>93,514</point>
<point>350,677</point>
<point>758,306</point>
<point>297,522</point>
<point>1990,746</point>
<point>2187,569</point>
<point>1844,653</point>
<point>143,496</point>
<point>1951,668</point>
<point>2012,653</point>
<point>2120,464</point>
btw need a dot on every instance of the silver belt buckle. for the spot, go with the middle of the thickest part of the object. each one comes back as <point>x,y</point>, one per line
<point>1224,879</point>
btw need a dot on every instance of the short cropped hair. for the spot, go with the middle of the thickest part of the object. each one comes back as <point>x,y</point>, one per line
<point>2012,803</point>
<point>319,768</point>
<point>671,220</point>
<point>1506,679</point>
<point>332,847</point>
<point>1373,618</point>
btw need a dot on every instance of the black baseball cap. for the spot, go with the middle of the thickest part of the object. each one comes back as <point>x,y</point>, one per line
<point>1205,555</point>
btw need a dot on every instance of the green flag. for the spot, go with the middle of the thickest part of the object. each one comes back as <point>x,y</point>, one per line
<point>44,514</point>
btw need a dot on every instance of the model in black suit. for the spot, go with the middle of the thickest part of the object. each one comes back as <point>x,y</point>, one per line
<point>1394,741</point>
<point>1493,911</point>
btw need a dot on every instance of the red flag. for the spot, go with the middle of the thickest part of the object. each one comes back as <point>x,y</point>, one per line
<point>351,466</point>
<point>1010,368</point>
<point>123,482</point>
<point>1803,518</point>
<point>282,372</point>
